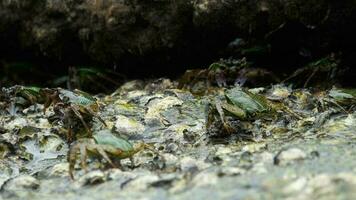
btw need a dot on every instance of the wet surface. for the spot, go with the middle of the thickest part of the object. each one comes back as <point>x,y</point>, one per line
<point>286,157</point>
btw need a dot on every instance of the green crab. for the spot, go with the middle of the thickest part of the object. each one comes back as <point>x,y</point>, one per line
<point>342,98</point>
<point>71,105</point>
<point>104,144</point>
<point>243,105</point>
<point>21,96</point>
<point>68,106</point>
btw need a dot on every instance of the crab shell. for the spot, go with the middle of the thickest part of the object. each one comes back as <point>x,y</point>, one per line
<point>248,102</point>
<point>112,143</point>
<point>78,98</point>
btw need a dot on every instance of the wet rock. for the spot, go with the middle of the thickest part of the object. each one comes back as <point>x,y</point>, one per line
<point>92,178</point>
<point>153,114</point>
<point>170,161</point>
<point>259,168</point>
<point>188,165</point>
<point>5,173</point>
<point>329,186</point>
<point>22,182</point>
<point>128,126</point>
<point>230,171</point>
<point>60,170</point>
<point>18,122</point>
<point>296,186</point>
<point>142,182</point>
<point>287,156</point>
<point>265,157</point>
<point>279,92</point>
<point>172,148</point>
<point>120,176</point>
<point>205,179</point>
<point>165,181</point>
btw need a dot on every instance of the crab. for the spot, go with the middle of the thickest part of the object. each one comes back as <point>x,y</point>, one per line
<point>104,144</point>
<point>344,99</point>
<point>67,105</point>
<point>221,73</point>
<point>20,96</point>
<point>243,105</point>
<point>224,73</point>
<point>322,71</point>
<point>71,105</point>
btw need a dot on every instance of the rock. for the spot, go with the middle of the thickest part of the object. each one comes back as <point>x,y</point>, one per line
<point>172,148</point>
<point>259,168</point>
<point>289,155</point>
<point>18,122</point>
<point>265,157</point>
<point>205,179</point>
<point>120,177</point>
<point>165,181</point>
<point>60,170</point>
<point>188,165</point>
<point>296,186</point>
<point>125,125</point>
<point>156,106</point>
<point>170,161</point>
<point>279,92</point>
<point>22,182</point>
<point>231,171</point>
<point>92,178</point>
<point>142,182</point>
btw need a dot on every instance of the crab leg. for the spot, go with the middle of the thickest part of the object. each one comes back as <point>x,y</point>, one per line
<point>102,152</point>
<point>97,116</point>
<point>83,157</point>
<point>72,155</point>
<point>77,113</point>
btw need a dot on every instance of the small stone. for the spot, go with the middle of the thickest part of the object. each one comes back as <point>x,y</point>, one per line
<point>170,161</point>
<point>204,179</point>
<point>231,171</point>
<point>259,168</point>
<point>120,177</point>
<point>223,151</point>
<point>141,183</point>
<point>129,126</point>
<point>289,155</point>
<point>18,122</point>
<point>296,186</point>
<point>23,182</point>
<point>172,147</point>
<point>265,157</point>
<point>188,165</point>
<point>92,178</point>
<point>60,170</point>
<point>156,107</point>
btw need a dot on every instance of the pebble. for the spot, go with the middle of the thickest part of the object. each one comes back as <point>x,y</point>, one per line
<point>18,122</point>
<point>92,178</point>
<point>155,108</point>
<point>60,170</point>
<point>128,126</point>
<point>23,182</point>
<point>142,182</point>
<point>288,156</point>
<point>231,171</point>
<point>205,179</point>
<point>188,165</point>
<point>296,186</point>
